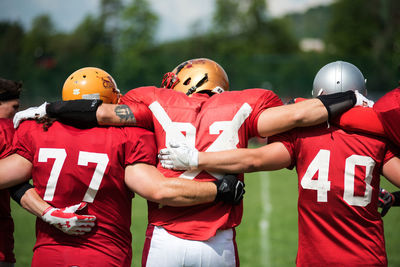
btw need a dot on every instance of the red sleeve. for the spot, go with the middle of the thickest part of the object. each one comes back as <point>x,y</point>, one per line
<point>388,110</point>
<point>140,146</point>
<point>391,152</point>
<point>288,139</point>
<point>6,137</point>
<point>360,119</point>
<point>268,99</point>
<point>22,143</point>
<point>138,101</point>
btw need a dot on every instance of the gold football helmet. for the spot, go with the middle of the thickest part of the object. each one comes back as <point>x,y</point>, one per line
<point>91,83</point>
<point>197,75</point>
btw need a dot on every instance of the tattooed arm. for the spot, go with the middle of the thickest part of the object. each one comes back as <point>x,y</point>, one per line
<point>111,114</point>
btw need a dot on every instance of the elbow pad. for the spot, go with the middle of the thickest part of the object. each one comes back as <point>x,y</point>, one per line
<point>338,103</point>
<point>80,113</point>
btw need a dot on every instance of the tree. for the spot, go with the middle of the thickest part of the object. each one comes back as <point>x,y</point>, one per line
<point>367,35</point>
<point>11,38</point>
<point>138,25</point>
<point>37,61</point>
<point>227,18</point>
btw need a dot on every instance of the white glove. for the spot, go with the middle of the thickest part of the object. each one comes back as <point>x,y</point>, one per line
<point>30,113</point>
<point>362,100</point>
<point>179,156</point>
<point>68,221</point>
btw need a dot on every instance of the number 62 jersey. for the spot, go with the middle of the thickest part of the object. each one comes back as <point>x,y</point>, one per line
<point>209,123</point>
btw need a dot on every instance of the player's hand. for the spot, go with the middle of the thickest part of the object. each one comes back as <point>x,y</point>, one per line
<point>386,200</point>
<point>230,189</point>
<point>362,100</point>
<point>179,156</point>
<point>30,113</point>
<point>68,221</point>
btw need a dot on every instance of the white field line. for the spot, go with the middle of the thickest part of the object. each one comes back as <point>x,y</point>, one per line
<point>264,219</point>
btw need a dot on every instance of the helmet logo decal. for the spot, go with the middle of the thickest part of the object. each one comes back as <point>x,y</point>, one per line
<point>76,91</point>
<point>108,82</point>
<point>180,67</point>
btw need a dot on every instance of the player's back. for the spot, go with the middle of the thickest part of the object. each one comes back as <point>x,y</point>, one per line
<point>339,176</point>
<point>71,165</point>
<point>210,123</point>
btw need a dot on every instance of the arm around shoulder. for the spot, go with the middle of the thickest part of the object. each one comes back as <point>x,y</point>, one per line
<point>148,182</point>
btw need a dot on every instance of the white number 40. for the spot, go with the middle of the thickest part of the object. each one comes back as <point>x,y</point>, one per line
<point>320,164</point>
<point>59,154</point>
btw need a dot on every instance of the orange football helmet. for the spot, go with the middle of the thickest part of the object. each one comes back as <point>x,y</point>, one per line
<point>197,75</point>
<point>91,83</point>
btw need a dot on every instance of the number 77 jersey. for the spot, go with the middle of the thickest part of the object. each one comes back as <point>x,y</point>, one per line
<point>72,165</point>
<point>339,177</point>
<point>210,123</point>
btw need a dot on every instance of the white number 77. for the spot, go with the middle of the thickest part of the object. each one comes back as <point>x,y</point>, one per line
<point>59,154</point>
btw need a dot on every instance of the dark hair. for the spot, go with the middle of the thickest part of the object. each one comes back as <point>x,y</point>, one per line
<point>46,121</point>
<point>9,89</point>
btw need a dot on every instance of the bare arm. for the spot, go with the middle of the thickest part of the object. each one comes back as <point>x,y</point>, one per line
<point>391,170</point>
<point>283,118</point>
<point>267,158</point>
<point>14,170</point>
<point>112,114</point>
<point>32,202</point>
<point>149,183</point>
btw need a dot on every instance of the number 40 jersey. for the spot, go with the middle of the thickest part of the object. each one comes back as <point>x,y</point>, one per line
<point>339,177</point>
<point>209,123</point>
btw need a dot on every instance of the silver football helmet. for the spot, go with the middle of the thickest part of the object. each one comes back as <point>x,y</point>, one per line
<point>338,76</point>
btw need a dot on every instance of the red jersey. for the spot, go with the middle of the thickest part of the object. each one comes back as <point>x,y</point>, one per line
<point>388,110</point>
<point>339,176</point>
<point>71,165</point>
<point>6,222</point>
<point>220,122</point>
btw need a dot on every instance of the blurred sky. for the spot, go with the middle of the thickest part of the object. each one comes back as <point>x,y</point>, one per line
<point>176,16</point>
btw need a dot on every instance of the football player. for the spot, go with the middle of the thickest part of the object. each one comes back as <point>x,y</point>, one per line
<point>100,167</point>
<point>9,103</point>
<point>202,112</point>
<point>339,176</point>
<point>23,194</point>
<point>383,120</point>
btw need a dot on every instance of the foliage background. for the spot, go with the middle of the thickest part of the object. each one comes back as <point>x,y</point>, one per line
<point>255,49</point>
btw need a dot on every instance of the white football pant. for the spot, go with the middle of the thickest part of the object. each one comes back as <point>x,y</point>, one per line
<point>170,251</point>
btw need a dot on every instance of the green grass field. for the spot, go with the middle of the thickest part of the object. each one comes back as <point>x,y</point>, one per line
<point>266,237</point>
